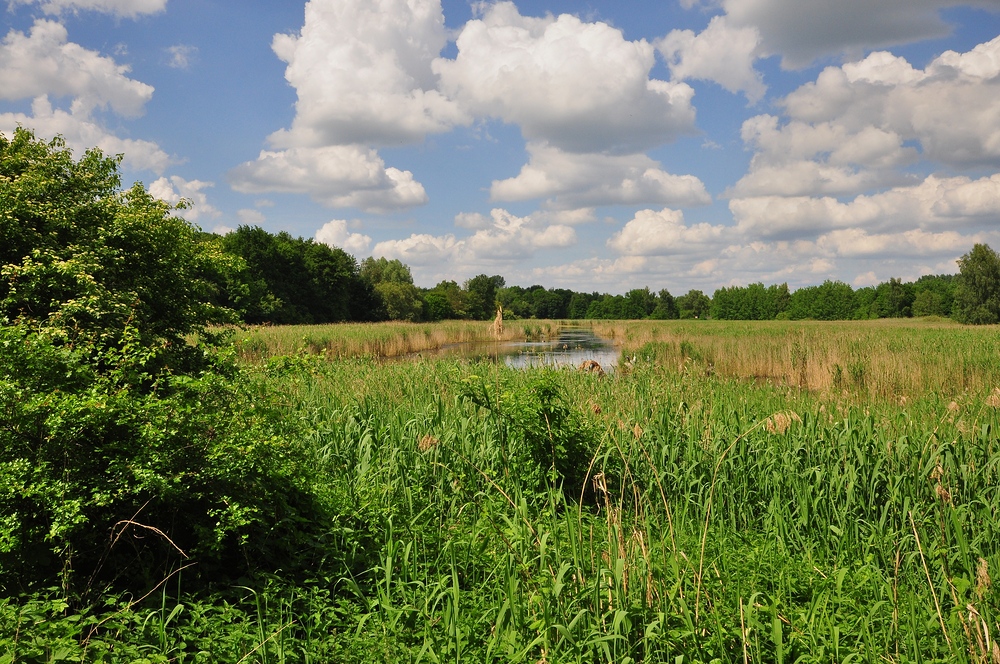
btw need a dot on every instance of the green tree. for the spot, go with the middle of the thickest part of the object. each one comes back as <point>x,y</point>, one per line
<point>121,443</point>
<point>694,304</point>
<point>401,301</point>
<point>977,292</point>
<point>456,298</point>
<point>482,295</point>
<point>893,299</point>
<point>935,294</point>
<point>381,270</point>
<point>93,263</point>
<point>579,303</point>
<point>831,300</point>
<point>666,306</point>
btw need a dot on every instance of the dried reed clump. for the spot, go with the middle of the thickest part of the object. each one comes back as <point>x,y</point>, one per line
<point>953,407</point>
<point>942,493</point>
<point>779,422</point>
<point>637,431</point>
<point>994,399</point>
<point>427,442</point>
<point>982,578</point>
<point>498,324</point>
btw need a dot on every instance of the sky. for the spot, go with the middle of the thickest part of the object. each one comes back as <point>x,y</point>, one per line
<point>593,145</point>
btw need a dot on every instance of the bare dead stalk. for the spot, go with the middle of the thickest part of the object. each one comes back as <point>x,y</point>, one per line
<point>930,583</point>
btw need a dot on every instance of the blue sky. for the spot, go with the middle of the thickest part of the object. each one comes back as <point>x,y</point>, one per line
<point>592,145</point>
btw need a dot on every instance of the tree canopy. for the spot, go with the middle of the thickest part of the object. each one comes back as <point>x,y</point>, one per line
<point>977,294</point>
<point>89,261</point>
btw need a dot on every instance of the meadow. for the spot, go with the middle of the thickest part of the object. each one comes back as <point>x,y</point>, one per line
<point>735,492</point>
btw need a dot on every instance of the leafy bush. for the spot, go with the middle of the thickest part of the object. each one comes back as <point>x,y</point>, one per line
<point>124,449</point>
<point>545,440</point>
<point>104,478</point>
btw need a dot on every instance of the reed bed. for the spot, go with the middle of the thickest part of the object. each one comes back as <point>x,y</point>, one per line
<point>716,520</point>
<point>392,339</point>
<point>896,359</point>
<point>696,505</point>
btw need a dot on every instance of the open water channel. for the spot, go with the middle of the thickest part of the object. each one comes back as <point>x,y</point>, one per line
<point>571,346</point>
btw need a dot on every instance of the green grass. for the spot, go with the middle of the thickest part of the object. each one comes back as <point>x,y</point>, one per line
<point>686,515</point>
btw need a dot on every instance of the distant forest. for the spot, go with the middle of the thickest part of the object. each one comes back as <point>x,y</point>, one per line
<point>281,279</point>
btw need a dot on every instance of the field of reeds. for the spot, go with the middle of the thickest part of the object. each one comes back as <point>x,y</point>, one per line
<point>739,492</point>
<point>889,358</point>
<point>391,339</point>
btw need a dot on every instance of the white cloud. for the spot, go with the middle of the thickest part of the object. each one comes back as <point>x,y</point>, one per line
<point>335,233</point>
<point>517,237</point>
<point>419,250</point>
<point>852,129</point>
<point>663,233</point>
<point>503,240</point>
<point>719,53</point>
<point>803,30</point>
<point>336,176</point>
<point>82,133</point>
<point>250,217</point>
<point>181,56</point>
<point>362,72</point>
<point>855,242</point>
<point>123,8</point>
<point>174,189</point>
<point>43,62</point>
<point>471,220</point>
<point>572,181</point>
<point>935,203</point>
<point>579,87</point>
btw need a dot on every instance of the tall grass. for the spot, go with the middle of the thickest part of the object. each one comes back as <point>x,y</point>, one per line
<point>695,515</point>
<point>890,358</point>
<point>376,339</point>
<point>725,522</point>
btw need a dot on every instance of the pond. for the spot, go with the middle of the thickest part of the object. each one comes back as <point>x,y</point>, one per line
<point>571,346</point>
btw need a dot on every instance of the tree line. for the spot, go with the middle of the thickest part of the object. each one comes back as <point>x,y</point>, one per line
<point>282,279</point>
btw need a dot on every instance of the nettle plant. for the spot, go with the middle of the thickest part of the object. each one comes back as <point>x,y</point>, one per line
<point>125,450</point>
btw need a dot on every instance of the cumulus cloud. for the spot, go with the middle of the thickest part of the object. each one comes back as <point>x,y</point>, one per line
<point>419,249</point>
<point>362,72</point>
<point>803,30</point>
<point>952,107</point>
<point>175,189</point>
<point>502,239</point>
<point>576,86</point>
<point>720,53</point>
<point>123,8</point>
<point>854,127</point>
<point>336,176</point>
<point>935,203</point>
<point>43,62</point>
<point>664,233</point>
<point>573,181</point>
<point>856,242</point>
<point>335,233</point>
<point>82,133</point>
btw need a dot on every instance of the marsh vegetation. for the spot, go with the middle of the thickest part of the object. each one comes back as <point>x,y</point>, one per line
<point>713,502</point>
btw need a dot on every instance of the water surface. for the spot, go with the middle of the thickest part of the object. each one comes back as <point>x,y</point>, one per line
<point>569,347</point>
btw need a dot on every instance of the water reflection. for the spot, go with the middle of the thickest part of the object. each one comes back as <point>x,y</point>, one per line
<point>571,347</point>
